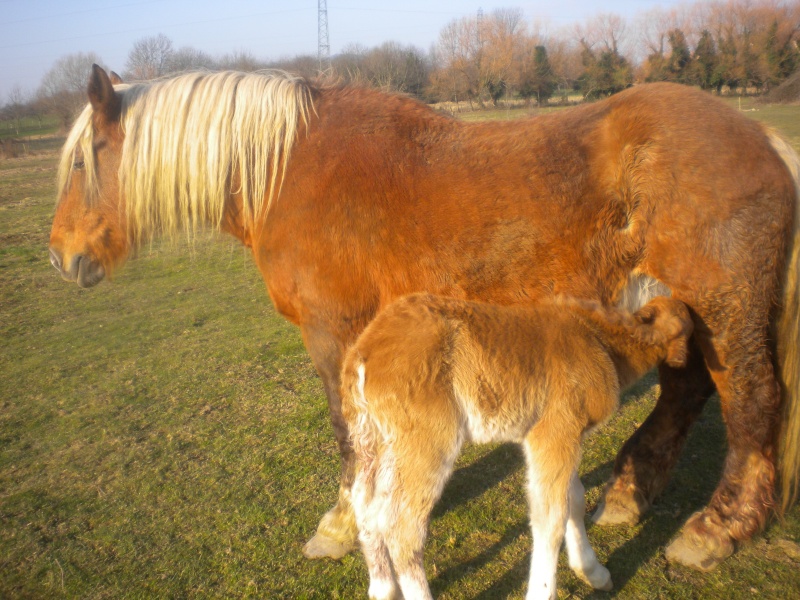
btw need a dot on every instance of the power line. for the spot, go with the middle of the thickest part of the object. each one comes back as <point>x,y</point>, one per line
<point>153,28</point>
<point>80,12</point>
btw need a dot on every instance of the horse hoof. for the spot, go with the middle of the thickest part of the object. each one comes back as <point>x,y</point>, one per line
<point>322,546</point>
<point>695,550</point>
<point>613,512</point>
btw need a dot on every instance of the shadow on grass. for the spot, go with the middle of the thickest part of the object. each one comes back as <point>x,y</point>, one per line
<point>694,480</point>
<point>473,480</point>
<point>512,580</point>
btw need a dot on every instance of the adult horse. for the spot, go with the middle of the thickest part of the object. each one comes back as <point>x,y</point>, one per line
<point>349,198</point>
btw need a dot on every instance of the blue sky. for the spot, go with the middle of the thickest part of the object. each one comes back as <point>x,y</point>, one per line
<point>36,33</point>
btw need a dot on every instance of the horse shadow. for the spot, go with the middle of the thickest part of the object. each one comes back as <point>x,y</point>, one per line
<point>691,486</point>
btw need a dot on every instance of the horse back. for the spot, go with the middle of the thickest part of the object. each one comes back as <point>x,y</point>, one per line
<point>384,197</point>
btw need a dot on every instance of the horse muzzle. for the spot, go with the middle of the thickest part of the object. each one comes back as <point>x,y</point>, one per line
<point>82,269</point>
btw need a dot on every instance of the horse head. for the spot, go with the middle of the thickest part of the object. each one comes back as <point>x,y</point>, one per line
<point>89,235</point>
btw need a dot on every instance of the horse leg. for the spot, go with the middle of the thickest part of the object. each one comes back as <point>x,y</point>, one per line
<point>337,533</point>
<point>643,465</point>
<point>582,559</point>
<point>750,397</point>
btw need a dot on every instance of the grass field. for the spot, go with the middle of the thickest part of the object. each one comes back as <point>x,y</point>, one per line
<point>165,436</point>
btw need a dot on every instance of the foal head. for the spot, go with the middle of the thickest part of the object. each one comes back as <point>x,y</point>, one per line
<point>89,234</point>
<point>666,323</point>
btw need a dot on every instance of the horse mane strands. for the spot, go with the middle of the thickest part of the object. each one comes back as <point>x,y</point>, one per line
<point>191,139</point>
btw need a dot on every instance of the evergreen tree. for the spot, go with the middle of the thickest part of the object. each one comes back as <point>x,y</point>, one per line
<point>679,58</point>
<point>539,81</point>
<point>725,72</point>
<point>656,67</point>
<point>704,62</point>
<point>605,74</point>
<point>781,58</point>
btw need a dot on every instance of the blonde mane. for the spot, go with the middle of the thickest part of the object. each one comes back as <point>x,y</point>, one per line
<point>191,142</point>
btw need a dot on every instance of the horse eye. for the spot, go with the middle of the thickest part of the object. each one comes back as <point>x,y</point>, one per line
<point>78,164</point>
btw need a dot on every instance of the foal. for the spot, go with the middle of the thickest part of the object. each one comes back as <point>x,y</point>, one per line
<point>430,373</point>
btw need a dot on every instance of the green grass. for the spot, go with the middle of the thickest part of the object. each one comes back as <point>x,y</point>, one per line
<point>165,435</point>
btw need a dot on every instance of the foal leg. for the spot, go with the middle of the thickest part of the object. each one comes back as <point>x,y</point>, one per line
<point>337,533</point>
<point>369,504</point>
<point>552,455</point>
<point>423,463</point>
<point>643,465</point>
<point>582,559</point>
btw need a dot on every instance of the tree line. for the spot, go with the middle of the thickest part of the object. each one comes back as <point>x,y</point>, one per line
<point>730,46</point>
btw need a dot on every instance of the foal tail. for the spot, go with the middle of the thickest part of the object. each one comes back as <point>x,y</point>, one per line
<point>788,334</point>
<point>366,438</point>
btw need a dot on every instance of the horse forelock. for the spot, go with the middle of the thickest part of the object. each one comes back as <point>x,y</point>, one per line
<point>79,143</point>
<point>190,139</point>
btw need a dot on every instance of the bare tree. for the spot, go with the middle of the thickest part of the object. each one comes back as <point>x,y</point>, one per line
<point>190,59</point>
<point>149,58</point>
<point>605,32</point>
<point>63,87</point>
<point>350,64</point>
<point>16,107</point>
<point>459,55</point>
<point>241,60</point>
<point>304,65</point>
<point>503,40</point>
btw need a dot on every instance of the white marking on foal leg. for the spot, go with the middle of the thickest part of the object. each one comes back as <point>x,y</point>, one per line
<point>414,586</point>
<point>582,558</point>
<point>368,499</point>
<point>382,585</point>
<point>548,513</point>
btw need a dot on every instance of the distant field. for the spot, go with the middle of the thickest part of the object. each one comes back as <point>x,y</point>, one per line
<point>28,136</point>
<point>165,436</point>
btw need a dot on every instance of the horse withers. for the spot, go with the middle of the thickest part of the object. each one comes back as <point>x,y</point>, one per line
<point>350,198</point>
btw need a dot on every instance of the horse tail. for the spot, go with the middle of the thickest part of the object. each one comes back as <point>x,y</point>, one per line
<point>788,339</point>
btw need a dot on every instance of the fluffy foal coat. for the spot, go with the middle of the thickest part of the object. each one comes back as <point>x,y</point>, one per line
<point>430,373</point>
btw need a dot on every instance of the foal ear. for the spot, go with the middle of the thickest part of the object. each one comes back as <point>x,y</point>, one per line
<point>646,314</point>
<point>102,97</point>
<point>115,79</point>
<point>678,352</point>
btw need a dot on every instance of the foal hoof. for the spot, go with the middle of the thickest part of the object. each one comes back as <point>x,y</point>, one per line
<point>322,546</point>
<point>698,548</point>
<point>599,578</point>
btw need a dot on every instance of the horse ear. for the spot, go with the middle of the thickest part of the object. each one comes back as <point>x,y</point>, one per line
<point>101,94</point>
<point>115,79</point>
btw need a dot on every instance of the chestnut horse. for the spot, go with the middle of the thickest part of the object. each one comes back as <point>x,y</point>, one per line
<point>349,198</point>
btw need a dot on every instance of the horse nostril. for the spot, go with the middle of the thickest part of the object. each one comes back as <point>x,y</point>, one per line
<point>55,258</point>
